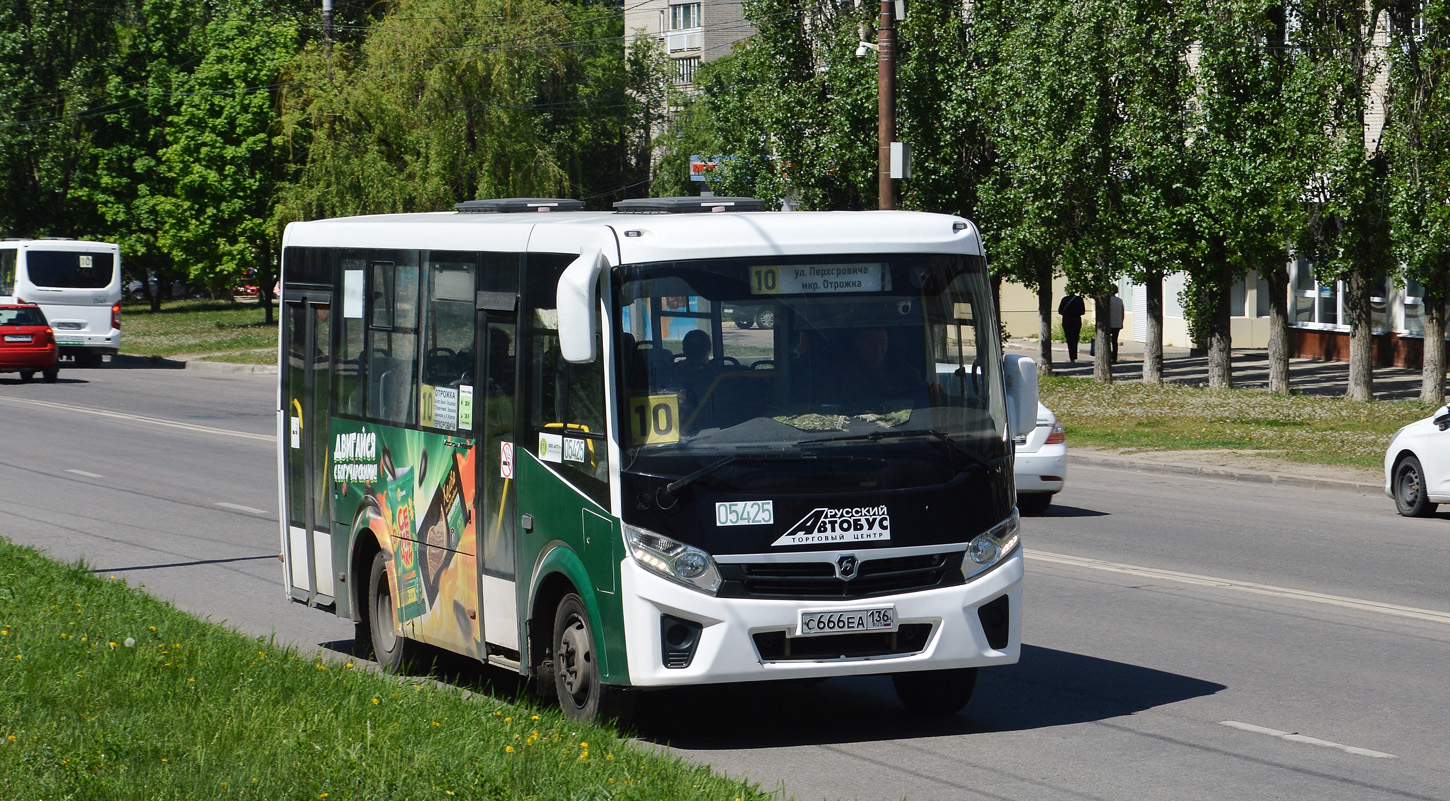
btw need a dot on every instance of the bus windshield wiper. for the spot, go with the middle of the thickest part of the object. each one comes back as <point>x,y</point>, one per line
<point>876,436</point>
<point>667,493</point>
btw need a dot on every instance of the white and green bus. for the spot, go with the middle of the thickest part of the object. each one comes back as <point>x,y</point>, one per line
<point>536,439</point>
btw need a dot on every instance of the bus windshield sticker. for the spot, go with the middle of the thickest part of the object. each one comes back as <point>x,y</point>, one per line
<point>653,419</point>
<point>575,450</point>
<point>352,294</point>
<point>551,448</point>
<point>817,279</point>
<point>828,525</point>
<point>465,407</point>
<point>445,408</point>
<point>744,513</point>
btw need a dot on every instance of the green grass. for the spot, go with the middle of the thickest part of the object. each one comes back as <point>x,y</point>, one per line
<point>232,331</point>
<point>1318,430</point>
<point>107,693</point>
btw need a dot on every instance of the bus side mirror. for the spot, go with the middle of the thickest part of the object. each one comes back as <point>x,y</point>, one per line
<point>578,305</point>
<point>1020,373</point>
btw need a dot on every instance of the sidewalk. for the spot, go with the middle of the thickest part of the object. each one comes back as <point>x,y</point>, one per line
<point>1250,369</point>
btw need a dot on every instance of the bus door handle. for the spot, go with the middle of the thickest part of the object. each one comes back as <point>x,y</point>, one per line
<point>527,522</point>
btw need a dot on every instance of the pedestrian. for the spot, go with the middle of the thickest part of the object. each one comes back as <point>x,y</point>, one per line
<point>1115,323</point>
<point>1072,308</point>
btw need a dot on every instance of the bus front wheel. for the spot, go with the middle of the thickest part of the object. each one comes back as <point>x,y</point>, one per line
<point>582,695</point>
<point>391,650</point>
<point>935,692</point>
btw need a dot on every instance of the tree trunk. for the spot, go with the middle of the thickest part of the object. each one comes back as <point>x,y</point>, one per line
<point>1044,320</point>
<point>1277,277</point>
<point>1361,338</point>
<point>1102,364</point>
<point>1220,344</point>
<point>1153,349</point>
<point>1432,373</point>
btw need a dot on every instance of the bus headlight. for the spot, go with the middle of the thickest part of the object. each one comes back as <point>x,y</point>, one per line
<point>676,561</point>
<point>988,548</point>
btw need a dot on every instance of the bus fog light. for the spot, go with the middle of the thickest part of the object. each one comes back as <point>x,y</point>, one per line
<point>982,550</point>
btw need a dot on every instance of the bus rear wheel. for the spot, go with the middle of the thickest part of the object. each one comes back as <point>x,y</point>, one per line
<point>582,695</point>
<point>392,651</point>
<point>935,692</point>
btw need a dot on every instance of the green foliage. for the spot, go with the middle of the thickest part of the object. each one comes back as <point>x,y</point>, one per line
<point>443,103</point>
<point>1417,140</point>
<point>224,161</point>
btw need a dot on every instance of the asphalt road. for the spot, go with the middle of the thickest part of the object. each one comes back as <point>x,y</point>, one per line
<point>1186,638</point>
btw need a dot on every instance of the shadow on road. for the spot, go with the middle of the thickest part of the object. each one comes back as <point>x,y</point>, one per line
<point>1062,510</point>
<point>1047,688</point>
<point>124,362</point>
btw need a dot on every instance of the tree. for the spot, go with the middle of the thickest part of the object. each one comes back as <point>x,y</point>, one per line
<point>1255,113</point>
<point>1347,237</point>
<point>1417,148</point>
<point>124,181</point>
<point>224,159</point>
<point>447,101</point>
<point>52,71</point>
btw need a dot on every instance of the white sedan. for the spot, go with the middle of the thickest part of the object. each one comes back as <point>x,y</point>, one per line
<point>1041,463</point>
<point>1417,465</point>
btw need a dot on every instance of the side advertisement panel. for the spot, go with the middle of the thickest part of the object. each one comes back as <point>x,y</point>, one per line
<point>421,485</point>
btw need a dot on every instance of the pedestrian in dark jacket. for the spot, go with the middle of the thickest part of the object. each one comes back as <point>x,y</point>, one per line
<point>1072,309</point>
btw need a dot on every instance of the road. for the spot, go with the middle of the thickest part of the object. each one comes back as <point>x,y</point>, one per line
<point>1185,638</point>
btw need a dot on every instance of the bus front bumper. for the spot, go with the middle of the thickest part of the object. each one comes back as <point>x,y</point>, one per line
<point>744,639</point>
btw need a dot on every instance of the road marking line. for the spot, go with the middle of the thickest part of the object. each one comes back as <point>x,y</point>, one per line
<point>1393,610</point>
<point>139,419</point>
<point>1300,738</point>
<point>84,473</point>
<point>236,507</point>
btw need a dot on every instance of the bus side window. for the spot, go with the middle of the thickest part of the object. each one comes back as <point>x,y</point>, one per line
<point>393,359</point>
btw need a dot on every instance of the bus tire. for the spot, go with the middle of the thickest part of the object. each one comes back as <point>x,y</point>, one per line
<point>392,651</point>
<point>51,375</point>
<point>935,692</point>
<point>1410,498</point>
<point>582,696</point>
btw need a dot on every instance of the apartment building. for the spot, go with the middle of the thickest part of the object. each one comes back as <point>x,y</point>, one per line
<point>691,33</point>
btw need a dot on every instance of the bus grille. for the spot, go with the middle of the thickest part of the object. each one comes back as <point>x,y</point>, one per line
<point>775,646</point>
<point>818,579</point>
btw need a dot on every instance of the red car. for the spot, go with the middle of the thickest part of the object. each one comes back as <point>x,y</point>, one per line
<point>27,343</point>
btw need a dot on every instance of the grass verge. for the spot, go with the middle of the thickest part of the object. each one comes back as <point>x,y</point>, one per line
<point>1317,430</point>
<point>108,693</point>
<point>237,331</point>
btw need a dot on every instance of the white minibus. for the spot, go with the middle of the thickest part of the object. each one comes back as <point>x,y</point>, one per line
<point>78,286</point>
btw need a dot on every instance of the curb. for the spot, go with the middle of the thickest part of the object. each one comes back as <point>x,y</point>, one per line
<point>1117,462</point>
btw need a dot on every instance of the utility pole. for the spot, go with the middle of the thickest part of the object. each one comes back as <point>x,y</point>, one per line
<point>886,103</point>
<point>327,23</point>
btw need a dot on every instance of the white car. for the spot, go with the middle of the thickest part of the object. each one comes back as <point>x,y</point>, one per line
<point>1417,465</point>
<point>1041,463</point>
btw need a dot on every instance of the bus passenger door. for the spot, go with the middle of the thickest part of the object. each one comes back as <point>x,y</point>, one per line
<point>307,382</point>
<point>494,421</point>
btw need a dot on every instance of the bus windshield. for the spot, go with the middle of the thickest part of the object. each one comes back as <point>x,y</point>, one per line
<point>786,361</point>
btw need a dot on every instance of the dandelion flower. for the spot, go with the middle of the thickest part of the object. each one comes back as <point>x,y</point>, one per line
<point>375,702</point>
<point>130,642</point>
<point>508,749</point>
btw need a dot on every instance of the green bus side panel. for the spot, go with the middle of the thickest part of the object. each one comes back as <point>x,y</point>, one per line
<point>585,538</point>
<point>419,486</point>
